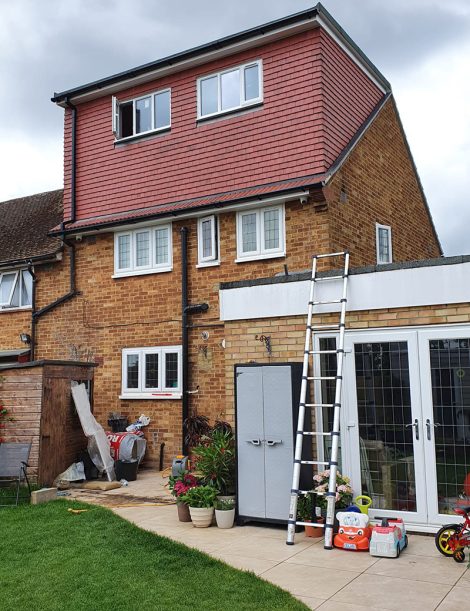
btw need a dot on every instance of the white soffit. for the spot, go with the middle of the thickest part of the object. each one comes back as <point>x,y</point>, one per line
<point>419,286</point>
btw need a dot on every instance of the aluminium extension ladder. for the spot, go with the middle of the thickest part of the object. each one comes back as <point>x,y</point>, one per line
<point>336,406</point>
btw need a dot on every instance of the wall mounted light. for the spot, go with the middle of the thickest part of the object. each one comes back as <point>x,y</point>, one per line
<point>25,338</point>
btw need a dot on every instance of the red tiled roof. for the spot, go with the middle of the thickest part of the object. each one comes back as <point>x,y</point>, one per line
<point>176,208</point>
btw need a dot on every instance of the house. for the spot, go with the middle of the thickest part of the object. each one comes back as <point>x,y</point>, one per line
<point>196,189</point>
<point>30,260</point>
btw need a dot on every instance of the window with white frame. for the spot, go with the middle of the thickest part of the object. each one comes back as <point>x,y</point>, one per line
<point>16,289</point>
<point>260,233</point>
<point>383,243</point>
<point>208,240</point>
<point>143,251</point>
<point>151,372</point>
<point>142,115</point>
<point>230,89</point>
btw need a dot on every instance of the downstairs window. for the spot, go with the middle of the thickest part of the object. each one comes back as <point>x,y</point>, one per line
<point>151,373</point>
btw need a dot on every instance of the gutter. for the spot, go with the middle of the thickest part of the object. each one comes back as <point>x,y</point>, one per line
<point>50,258</point>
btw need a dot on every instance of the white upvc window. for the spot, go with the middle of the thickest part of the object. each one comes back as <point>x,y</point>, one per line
<point>230,89</point>
<point>146,250</point>
<point>208,240</point>
<point>143,115</point>
<point>151,373</point>
<point>260,233</point>
<point>383,239</point>
<point>16,289</point>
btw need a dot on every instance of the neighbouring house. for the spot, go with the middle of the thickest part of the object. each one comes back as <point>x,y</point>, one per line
<point>196,189</point>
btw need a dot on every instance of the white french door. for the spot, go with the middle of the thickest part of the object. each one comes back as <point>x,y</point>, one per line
<point>406,421</point>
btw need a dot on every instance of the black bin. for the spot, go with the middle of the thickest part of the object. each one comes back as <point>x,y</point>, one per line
<point>118,425</point>
<point>126,469</point>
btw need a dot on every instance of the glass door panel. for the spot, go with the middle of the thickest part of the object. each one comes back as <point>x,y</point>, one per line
<point>448,426</point>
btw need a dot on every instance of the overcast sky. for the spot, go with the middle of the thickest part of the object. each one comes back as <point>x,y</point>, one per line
<point>421,46</point>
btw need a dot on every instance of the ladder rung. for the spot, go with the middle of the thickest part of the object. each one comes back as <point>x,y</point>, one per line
<point>321,377</point>
<point>314,524</point>
<point>314,462</point>
<point>324,327</point>
<point>312,492</point>
<point>316,433</point>
<point>331,254</point>
<point>326,302</point>
<point>321,278</point>
<point>323,351</point>
<point>319,405</point>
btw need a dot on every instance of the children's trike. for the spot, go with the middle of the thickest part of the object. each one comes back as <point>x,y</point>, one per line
<point>451,539</point>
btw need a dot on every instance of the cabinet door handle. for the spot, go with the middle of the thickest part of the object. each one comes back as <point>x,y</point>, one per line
<point>428,428</point>
<point>255,442</point>
<point>273,442</point>
<point>415,425</point>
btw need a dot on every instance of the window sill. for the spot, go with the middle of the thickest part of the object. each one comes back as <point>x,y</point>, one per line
<point>155,396</point>
<point>208,264</point>
<point>15,309</point>
<point>142,272</point>
<point>229,113</point>
<point>143,136</point>
<point>276,255</point>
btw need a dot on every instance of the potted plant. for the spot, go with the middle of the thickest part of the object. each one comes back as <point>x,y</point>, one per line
<point>225,513</point>
<point>344,492</point>
<point>201,504</point>
<point>215,460</point>
<point>179,485</point>
<point>305,513</point>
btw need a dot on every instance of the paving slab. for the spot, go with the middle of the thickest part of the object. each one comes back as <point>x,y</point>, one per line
<point>419,569</point>
<point>392,593</point>
<point>310,581</point>
<point>457,600</point>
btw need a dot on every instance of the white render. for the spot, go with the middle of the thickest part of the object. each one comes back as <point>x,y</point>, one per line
<point>418,286</point>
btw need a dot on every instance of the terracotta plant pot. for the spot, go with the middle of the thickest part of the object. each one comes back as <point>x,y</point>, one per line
<point>225,518</point>
<point>183,512</point>
<point>201,516</point>
<point>314,532</point>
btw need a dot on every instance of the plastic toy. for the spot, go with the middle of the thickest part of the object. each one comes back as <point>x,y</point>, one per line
<point>451,539</point>
<point>363,502</point>
<point>354,532</point>
<point>389,539</point>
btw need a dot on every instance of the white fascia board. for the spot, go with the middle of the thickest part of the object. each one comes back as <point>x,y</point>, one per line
<point>420,286</point>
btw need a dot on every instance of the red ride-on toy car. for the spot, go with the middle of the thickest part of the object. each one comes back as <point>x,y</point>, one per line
<point>452,539</point>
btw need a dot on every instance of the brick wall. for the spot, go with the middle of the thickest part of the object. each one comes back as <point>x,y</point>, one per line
<point>382,187</point>
<point>288,335</point>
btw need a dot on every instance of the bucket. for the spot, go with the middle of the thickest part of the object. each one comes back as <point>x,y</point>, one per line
<point>126,469</point>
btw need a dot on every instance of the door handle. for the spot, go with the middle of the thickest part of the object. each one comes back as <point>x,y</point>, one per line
<point>255,442</point>
<point>428,427</point>
<point>415,425</point>
<point>273,442</point>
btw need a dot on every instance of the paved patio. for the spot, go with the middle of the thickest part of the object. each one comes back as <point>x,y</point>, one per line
<point>333,580</point>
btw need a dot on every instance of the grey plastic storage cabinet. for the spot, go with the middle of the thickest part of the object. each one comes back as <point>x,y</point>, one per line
<point>267,403</point>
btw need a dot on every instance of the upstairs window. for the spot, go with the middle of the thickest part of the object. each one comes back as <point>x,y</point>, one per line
<point>143,115</point>
<point>230,90</point>
<point>260,233</point>
<point>16,289</point>
<point>208,241</point>
<point>383,243</point>
<point>152,373</point>
<point>143,251</point>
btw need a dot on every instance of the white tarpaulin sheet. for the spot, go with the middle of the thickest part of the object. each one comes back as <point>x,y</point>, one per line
<point>98,443</point>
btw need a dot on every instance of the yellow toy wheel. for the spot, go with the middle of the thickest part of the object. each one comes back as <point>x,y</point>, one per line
<point>443,537</point>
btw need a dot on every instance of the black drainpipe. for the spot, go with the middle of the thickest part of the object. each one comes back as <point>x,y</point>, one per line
<point>184,331</point>
<point>71,293</point>
<point>71,249</point>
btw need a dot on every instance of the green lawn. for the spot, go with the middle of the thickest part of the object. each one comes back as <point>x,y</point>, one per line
<point>51,559</point>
